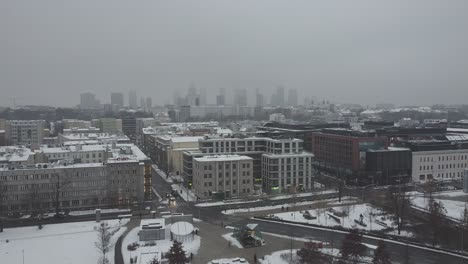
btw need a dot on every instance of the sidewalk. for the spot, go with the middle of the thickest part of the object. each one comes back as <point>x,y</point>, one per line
<point>118,257</point>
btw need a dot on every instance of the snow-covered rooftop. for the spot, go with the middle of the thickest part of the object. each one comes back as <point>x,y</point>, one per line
<point>222,158</point>
<point>15,154</point>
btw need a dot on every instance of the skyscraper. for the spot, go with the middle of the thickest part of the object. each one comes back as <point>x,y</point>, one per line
<point>221,97</point>
<point>280,96</point>
<point>240,97</point>
<point>88,101</point>
<point>117,99</point>
<point>292,97</point>
<point>149,103</point>
<point>132,99</point>
<point>192,97</point>
<point>258,98</point>
<point>277,98</point>
<point>202,96</point>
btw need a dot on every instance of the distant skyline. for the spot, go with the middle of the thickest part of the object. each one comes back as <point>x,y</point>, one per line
<point>363,51</point>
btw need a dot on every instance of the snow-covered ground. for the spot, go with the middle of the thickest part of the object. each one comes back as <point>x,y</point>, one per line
<point>344,200</point>
<point>162,246</point>
<point>233,240</point>
<point>285,256</point>
<point>228,261</point>
<point>71,243</point>
<point>353,212</point>
<point>298,195</point>
<point>454,209</point>
<point>187,195</point>
<point>103,211</point>
<point>209,204</point>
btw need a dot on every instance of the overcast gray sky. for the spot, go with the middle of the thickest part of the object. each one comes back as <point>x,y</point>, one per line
<point>363,51</point>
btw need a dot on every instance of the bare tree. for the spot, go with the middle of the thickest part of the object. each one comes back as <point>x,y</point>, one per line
<point>3,204</point>
<point>400,204</point>
<point>322,207</point>
<point>436,217</point>
<point>103,243</point>
<point>60,183</point>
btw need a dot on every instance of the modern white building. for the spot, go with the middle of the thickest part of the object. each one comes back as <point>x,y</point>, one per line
<point>225,175</point>
<point>440,165</point>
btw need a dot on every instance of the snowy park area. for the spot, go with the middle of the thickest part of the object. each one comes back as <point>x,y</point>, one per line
<point>455,208</point>
<point>344,200</point>
<point>345,216</point>
<point>290,257</point>
<point>159,246</point>
<point>71,243</point>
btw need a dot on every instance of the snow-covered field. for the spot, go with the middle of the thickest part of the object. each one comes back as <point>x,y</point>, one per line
<point>285,256</point>
<point>344,200</point>
<point>233,240</point>
<point>454,209</point>
<point>353,212</point>
<point>70,243</point>
<point>161,246</point>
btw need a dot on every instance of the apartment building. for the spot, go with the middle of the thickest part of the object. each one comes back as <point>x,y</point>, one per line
<point>286,167</point>
<point>223,176</point>
<point>25,132</point>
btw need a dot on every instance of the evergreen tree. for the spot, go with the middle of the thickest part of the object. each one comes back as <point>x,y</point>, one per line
<point>176,254</point>
<point>351,248</point>
<point>311,254</point>
<point>381,255</point>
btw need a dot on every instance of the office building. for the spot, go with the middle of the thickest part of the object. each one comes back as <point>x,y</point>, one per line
<point>343,151</point>
<point>89,101</point>
<point>123,179</point>
<point>132,99</point>
<point>438,160</point>
<point>292,97</point>
<point>110,125</point>
<point>149,104</point>
<point>117,100</point>
<point>240,97</point>
<point>222,176</point>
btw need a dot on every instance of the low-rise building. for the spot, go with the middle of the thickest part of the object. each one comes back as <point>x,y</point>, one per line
<point>122,179</point>
<point>168,151</point>
<point>438,160</point>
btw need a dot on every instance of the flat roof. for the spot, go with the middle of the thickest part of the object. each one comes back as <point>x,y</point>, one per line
<point>222,158</point>
<point>291,155</point>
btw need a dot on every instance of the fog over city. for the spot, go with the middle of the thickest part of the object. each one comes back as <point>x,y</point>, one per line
<point>402,52</point>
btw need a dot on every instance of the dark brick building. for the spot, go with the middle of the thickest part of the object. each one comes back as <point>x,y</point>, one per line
<point>345,150</point>
<point>388,166</point>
